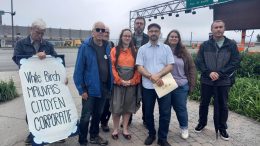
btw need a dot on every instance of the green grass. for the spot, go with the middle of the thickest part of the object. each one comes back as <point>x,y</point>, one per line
<point>7,90</point>
<point>244,97</point>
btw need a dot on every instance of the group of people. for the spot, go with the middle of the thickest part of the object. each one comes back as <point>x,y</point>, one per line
<point>114,79</point>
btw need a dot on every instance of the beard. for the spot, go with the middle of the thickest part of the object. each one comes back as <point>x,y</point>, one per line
<point>154,38</point>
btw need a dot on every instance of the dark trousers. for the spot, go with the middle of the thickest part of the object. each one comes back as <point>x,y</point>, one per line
<point>91,108</point>
<point>149,98</point>
<point>106,114</point>
<point>207,92</point>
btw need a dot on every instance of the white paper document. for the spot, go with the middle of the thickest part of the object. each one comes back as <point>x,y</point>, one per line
<point>169,85</point>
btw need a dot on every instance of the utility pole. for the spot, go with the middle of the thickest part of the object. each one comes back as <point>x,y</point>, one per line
<point>12,15</point>
<point>190,38</point>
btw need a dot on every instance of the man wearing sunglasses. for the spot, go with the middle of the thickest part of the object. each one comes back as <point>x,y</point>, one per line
<point>93,79</point>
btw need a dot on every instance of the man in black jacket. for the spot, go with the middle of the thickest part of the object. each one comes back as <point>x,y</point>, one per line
<point>217,59</point>
<point>139,38</point>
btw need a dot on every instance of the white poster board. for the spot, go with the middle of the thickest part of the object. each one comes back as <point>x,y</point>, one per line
<point>168,86</point>
<point>50,109</point>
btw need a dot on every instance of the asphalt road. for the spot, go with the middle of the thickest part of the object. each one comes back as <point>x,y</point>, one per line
<point>7,64</point>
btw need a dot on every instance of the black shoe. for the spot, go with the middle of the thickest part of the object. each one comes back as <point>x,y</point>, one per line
<point>163,142</point>
<point>199,128</point>
<point>98,140</point>
<point>149,140</point>
<point>82,140</point>
<point>28,140</point>
<point>105,128</point>
<point>224,135</point>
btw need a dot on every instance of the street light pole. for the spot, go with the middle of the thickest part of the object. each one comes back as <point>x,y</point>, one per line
<point>12,14</point>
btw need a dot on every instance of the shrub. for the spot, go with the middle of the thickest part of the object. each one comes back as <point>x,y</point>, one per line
<point>249,66</point>
<point>244,97</point>
<point>7,90</point>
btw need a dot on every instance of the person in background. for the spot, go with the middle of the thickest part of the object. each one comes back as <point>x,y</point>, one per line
<point>126,78</point>
<point>154,60</point>
<point>93,79</point>
<point>139,39</point>
<point>106,113</point>
<point>217,60</point>
<point>34,44</point>
<point>184,73</point>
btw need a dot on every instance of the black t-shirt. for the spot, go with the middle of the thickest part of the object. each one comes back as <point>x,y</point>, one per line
<point>102,61</point>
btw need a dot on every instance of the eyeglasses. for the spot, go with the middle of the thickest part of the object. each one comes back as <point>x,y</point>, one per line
<point>100,30</point>
<point>127,36</point>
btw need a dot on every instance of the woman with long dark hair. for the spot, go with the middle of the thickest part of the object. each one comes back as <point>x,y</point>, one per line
<point>184,72</point>
<point>126,78</point>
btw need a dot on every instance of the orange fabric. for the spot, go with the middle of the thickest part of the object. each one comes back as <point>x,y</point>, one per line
<point>125,59</point>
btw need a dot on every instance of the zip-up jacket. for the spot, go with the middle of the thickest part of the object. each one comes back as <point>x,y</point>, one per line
<point>86,74</point>
<point>224,61</point>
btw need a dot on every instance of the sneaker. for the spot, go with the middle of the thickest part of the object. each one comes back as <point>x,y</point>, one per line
<point>163,142</point>
<point>28,140</point>
<point>105,128</point>
<point>98,140</point>
<point>149,140</point>
<point>224,135</point>
<point>199,128</point>
<point>184,133</point>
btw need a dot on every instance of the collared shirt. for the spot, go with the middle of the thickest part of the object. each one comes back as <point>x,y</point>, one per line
<point>35,44</point>
<point>153,59</point>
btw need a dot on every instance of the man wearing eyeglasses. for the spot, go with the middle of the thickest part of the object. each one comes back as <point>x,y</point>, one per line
<point>139,38</point>
<point>154,60</point>
<point>31,45</point>
<point>93,79</point>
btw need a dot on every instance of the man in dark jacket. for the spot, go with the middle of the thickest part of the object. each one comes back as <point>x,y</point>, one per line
<point>217,59</point>
<point>106,113</point>
<point>34,44</point>
<point>139,38</point>
<point>93,79</point>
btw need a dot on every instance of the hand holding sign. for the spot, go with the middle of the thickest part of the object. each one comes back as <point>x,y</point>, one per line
<point>50,109</point>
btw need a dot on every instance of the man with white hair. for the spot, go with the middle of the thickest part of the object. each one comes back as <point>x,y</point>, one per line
<point>31,45</point>
<point>93,79</point>
<point>34,43</point>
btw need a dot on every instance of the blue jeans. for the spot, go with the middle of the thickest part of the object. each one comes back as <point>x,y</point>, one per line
<point>149,98</point>
<point>179,104</point>
<point>91,108</point>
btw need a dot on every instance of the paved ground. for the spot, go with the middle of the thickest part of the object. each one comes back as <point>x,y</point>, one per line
<point>243,131</point>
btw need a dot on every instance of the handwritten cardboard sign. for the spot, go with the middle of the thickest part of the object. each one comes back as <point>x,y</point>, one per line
<point>50,109</point>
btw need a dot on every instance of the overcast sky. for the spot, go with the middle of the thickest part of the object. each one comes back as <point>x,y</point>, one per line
<point>81,14</point>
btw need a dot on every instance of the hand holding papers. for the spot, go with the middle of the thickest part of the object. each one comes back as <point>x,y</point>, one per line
<point>168,86</point>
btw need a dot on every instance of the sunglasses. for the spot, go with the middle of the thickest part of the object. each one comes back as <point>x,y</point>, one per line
<point>100,30</point>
